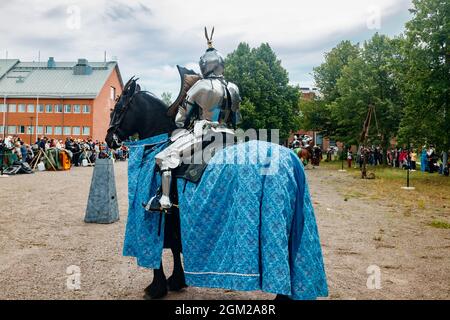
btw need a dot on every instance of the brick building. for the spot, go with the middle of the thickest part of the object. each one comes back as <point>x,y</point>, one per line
<point>57,99</point>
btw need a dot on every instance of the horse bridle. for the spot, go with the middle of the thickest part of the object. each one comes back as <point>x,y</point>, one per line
<point>121,108</point>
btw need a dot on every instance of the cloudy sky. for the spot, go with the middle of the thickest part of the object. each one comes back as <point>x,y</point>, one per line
<point>150,37</point>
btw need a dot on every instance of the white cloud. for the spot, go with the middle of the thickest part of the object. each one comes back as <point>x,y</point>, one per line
<point>151,37</point>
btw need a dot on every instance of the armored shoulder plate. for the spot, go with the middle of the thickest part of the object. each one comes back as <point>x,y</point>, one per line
<point>208,94</point>
<point>234,95</point>
<point>235,103</point>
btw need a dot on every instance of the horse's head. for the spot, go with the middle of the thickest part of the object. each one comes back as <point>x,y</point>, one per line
<point>120,125</point>
<point>137,112</point>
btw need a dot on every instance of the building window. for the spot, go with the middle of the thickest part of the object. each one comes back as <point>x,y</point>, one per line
<point>40,108</point>
<point>12,129</point>
<point>76,108</point>
<point>67,108</point>
<point>48,108</point>
<point>30,108</point>
<point>86,131</point>
<point>58,108</point>
<point>48,130</point>
<point>21,129</point>
<point>113,93</point>
<point>30,129</point>
<point>12,108</point>
<point>67,131</point>
<point>58,130</point>
<point>86,109</point>
<point>2,107</point>
<point>40,129</point>
<point>76,131</point>
<point>1,129</point>
<point>21,108</point>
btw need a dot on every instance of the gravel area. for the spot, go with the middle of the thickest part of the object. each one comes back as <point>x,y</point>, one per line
<point>42,233</point>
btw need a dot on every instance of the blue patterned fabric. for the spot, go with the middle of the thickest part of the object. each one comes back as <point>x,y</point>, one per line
<point>246,226</point>
<point>141,235</point>
<point>246,230</point>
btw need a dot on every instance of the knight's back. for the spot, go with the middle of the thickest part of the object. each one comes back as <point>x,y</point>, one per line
<point>208,94</point>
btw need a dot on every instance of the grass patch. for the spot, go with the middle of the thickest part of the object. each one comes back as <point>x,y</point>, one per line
<point>440,224</point>
<point>431,193</point>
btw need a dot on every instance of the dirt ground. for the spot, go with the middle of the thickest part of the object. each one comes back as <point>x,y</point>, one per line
<point>42,233</point>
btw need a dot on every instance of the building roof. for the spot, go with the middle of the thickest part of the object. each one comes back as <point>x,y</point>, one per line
<point>54,79</point>
<point>5,65</point>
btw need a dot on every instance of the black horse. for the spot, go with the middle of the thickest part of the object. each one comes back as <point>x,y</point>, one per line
<point>141,113</point>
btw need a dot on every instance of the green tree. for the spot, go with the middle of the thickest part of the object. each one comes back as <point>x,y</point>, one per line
<point>269,102</point>
<point>424,74</point>
<point>317,115</point>
<point>327,74</point>
<point>314,115</point>
<point>166,97</point>
<point>369,80</point>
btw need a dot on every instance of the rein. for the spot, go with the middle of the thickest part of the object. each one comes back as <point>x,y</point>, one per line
<point>121,108</point>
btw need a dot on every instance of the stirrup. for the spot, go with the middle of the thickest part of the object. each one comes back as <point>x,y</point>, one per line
<point>153,204</point>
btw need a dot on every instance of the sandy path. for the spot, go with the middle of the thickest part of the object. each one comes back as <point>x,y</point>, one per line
<point>42,233</point>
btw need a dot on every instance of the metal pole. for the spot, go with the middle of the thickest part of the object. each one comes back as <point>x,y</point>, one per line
<point>409,164</point>
<point>37,117</point>
<point>4,116</point>
<point>31,130</point>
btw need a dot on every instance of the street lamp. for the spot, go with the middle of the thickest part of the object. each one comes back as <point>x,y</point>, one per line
<point>408,169</point>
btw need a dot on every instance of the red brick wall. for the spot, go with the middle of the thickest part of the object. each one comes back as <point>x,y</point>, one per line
<point>48,119</point>
<point>103,104</point>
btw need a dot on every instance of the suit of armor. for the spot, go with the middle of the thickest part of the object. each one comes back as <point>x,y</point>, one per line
<point>210,106</point>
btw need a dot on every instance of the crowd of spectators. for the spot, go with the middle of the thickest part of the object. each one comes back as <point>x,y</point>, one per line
<point>430,160</point>
<point>13,149</point>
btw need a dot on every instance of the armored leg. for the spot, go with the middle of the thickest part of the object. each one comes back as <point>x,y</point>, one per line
<point>167,160</point>
<point>166,181</point>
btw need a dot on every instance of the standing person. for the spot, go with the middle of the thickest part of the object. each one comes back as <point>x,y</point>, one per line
<point>349,158</point>
<point>445,163</point>
<point>423,159</point>
<point>413,156</point>
<point>431,159</point>
<point>23,151</point>
<point>18,150</point>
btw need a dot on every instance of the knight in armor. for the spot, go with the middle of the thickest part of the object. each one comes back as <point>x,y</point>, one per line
<point>295,143</point>
<point>210,106</point>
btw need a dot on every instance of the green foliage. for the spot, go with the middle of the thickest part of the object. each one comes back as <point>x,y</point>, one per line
<point>407,79</point>
<point>327,74</point>
<point>368,80</point>
<point>166,97</point>
<point>424,76</point>
<point>440,224</point>
<point>269,102</point>
<point>314,115</point>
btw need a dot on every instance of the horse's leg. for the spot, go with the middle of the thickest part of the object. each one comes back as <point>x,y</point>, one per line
<point>176,281</point>
<point>158,288</point>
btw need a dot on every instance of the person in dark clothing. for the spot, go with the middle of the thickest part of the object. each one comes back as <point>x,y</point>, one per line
<point>76,150</point>
<point>42,143</point>
<point>23,151</point>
